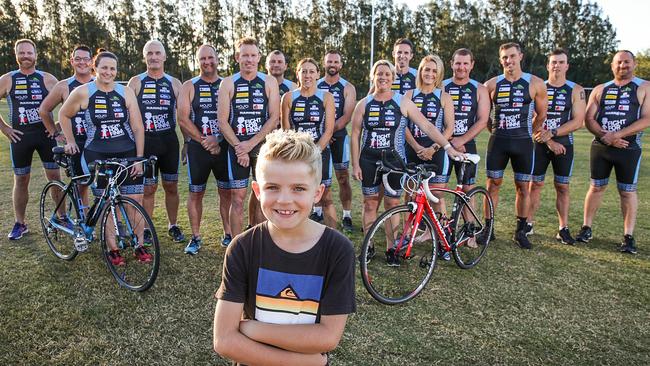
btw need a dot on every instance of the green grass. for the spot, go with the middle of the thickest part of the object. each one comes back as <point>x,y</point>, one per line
<point>554,304</point>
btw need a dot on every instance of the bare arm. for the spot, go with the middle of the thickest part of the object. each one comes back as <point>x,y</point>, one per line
<point>229,342</point>
<point>176,88</point>
<point>184,111</point>
<point>285,111</point>
<point>490,87</point>
<point>134,84</point>
<point>592,110</point>
<point>482,115</point>
<point>223,111</point>
<point>135,120</point>
<point>76,101</point>
<point>578,110</point>
<point>54,98</point>
<point>303,338</point>
<point>357,120</point>
<point>7,129</point>
<point>49,80</point>
<point>350,95</point>
<point>541,102</point>
<point>411,112</point>
<point>447,115</point>
<point>330,115</point>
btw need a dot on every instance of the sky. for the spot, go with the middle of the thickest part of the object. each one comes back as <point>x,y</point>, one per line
<point>629,17</point>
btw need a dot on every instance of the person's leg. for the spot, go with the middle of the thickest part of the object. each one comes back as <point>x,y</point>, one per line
<point>20,196</point>
<point>237,197</point>
<point>195,211</point>
<point>629,207</point>
<point>171,200</point>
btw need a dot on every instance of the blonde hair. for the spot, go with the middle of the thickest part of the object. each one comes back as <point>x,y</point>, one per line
<point>291,146</point>
<point>440,71</point>
<point>380,63</point>
<point>305,61</point>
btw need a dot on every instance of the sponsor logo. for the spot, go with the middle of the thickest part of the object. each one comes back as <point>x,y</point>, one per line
<point>518,93</point>
<point>149,91</point>
<point>374,109</point>
<point>148,96</point>
<point>241,95</point>
<point>100,106</point>
<point>610,96</point>
<point>119,115</point>
<point>517,105</point>
<point>467,102</point>
<point>612,91</point>
<point>118,110</point>
<point>465,108</point>
<point>257,93</point>
<point>165,96</point>
<point>298,114</point>
<point>258,100</point>
<point>467,96</point>
<point>455,97</point>
<point>314,113</point>
<point>560,102</point>
<point>21,81</point>
<point>504,88</point>
<point>37,97</point>
<point>242,88</point>
<point>149,101</point>
<point>21,97</point>
<point>559,108</point>
<point>623,107</point>
<point>624,101</point>
<point>258,107</point>
<point>238,107</point>
<point>205,100</point>
<point>610,102</point>
<point>561,97</point>
<point>454,91</point>
<point>625,95</point>
<point>21,87</point>
<point>502,100</point>
<point>165,102</point>
<point>19,92</point>
<point>518,99</point>
<point>502,95</point>
<point>613,125</point>
<point>36,91</point>
<point>241,101</point>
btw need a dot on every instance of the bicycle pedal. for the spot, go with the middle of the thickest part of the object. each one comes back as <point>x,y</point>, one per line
<point>81,244</point>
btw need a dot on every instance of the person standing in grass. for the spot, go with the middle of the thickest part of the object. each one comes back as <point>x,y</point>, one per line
<point>276,65</point>
<point>617,113</point>
<point>554,141</point>
<point>291,278</point>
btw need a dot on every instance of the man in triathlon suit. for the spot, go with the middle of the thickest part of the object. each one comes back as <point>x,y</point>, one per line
<point>554,141</point>
<point>519,105</point>
<point>248,109</point>
<point>345,97</point>
<point>276,66</point>
<point>471,111</point>
<point>617,113</point>
<point>157,92</point>
<point>197,117</point>
<point>81,61</point>
<point>403,53</point>
<point>25,90</point>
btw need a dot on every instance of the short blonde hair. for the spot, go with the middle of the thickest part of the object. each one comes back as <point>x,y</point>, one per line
<point>440,71</point>
<point>291,146</point>
<point>382,63</point>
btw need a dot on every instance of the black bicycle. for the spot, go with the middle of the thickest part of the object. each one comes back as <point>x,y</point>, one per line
<point>69,226</point>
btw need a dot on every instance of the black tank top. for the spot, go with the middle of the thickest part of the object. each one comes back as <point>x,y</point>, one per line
<point>285,86</point>
<point>308,113</point>
<point>619,107</point>
<point>404,82</point>
<point>25,98</point>
<point>204,106</point>
<point>249,106</point>
<point>513,108</point>
<point>337,91</point>
<point>107,120</point>
<point>560,104</point>
<point>157,103</point>
<point>431,107</point>
<point>79,120</point>
<point>465,98</point>
<point>383,126</point>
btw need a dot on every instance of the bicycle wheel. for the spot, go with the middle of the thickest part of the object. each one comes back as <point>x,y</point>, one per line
<point>395,283</point>
<point>473,225</point>
<point>122,227</point>
<point>56,210</point>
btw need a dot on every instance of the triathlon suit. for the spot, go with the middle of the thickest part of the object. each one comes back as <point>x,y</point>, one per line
<point>431,107</point>
<point>200,162</point>
<point>78,127</point>
<point>24,99</point>
<point>109,135</point>
<point>559,111</point>
<point>618,108</point>
<point>285,86</point>
<point>157,103</point>
<point>465,98</point>
<point>512,129</point>
<point>404,82</point>
<point>383,132</point>
<point>248,113</point>
<point>340,144</point>
<point>307,114</point>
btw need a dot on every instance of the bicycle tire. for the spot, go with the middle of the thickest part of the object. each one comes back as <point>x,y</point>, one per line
<point>134,275</point>
<point>60,243</point>
<point>466,254</point>
<point>398,284</point>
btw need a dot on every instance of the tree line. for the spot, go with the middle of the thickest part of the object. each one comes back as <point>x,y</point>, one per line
<point>310,28</point>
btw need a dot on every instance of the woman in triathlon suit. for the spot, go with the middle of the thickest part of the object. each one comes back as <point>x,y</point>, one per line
<point>379,125</point>
<point>311,110</point>
<point>114,129</point>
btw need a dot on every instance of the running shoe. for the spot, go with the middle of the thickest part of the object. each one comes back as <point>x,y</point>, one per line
<point>227,238</point>
<point>522,240</point>
<point>147,238</point>
<point>347,224</point>
<point>316,217</point>
<point>391,258</point>
<point>193,246</point>
<point>564,236</point>
<point>142,255</point>
<point>64,221</point>
<point>176,234</point>
<point>18,231</point>
<point>116,258</point>
<point>370,253</point>
<point>445,256</point>
<point>584,235</point>
<point>628,245</point>
<point>529,229</point>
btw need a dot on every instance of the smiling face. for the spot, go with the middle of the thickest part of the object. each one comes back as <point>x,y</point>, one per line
<point>106,70</point>
<point>403,54</point>
<point>25,55</point>
<point>557,65</point>
<point>462,66</point>
<point>307,74</point>
<point>248,58</point>
<point>154,56</point>
<point>383,78</point>
<point>276,64</point>
<point>429,73</point>
<point>333,63</point>
<point>287,192</point>
<point>623,65</point>
<point>81,62</point>
<point>510,59</point>
<point>207,60</point>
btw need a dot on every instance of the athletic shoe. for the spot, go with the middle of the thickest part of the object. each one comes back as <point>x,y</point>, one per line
<point>584,235</point>
<point>176,234</point>
<point>142,255</point>
<point>18,231</point>
<point>193,246</point>
<point>529,229</point>
<point>64,221</point>
<point>522,240</point>
<point>628,245</point>
<point>482,237</point>
<point>370,253</point>
<point>316,217</point>
<point>564,236</point>
<point>226,240</point>
<point>445,256</point>
<point>116,258</point>
<point>347,224</point>
<point>147,238</point>
<point>391,259</point>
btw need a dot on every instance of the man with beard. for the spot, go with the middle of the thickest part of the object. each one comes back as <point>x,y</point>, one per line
<point>25,90</point>
<point>81,62</point>
<point>157,93</point>
<point>276,66</point>
<point>197,117</point>
<point>345,97</point>
<point>617,113</point>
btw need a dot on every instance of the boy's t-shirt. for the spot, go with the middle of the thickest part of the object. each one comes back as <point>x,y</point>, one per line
<point>287,288</point>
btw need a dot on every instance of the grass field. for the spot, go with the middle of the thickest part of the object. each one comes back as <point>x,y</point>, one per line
<point>553,305</point>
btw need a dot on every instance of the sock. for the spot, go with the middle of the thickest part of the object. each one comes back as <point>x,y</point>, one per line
<point>521,223</point>
<point>347,213</point>
<point>170,226</point>
<point>318,210</point>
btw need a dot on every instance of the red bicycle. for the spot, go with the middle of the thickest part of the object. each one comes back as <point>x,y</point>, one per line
<point>413,233</point>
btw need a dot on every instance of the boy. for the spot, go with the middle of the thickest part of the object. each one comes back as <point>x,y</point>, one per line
<point>292,278</point>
